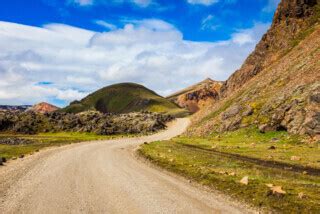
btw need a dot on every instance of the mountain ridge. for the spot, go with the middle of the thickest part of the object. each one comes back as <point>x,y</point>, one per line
<point>278,87</point>
<point>292,22</point>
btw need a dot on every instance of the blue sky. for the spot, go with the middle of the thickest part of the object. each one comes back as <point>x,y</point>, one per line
<point>227,15</point>
<point>65,49</point>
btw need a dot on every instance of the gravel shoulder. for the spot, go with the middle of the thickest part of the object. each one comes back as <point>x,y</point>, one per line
<point>102,177</point>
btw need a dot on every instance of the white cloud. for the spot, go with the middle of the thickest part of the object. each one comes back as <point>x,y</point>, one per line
<point>78,61</point>
<point>208,23</point>
<point>249,36</point>
<point>203,2</point>
<point>242,38</point>
<point>106,25</point>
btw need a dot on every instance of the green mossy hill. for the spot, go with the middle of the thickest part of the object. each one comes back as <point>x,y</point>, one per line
<point>124,98</point>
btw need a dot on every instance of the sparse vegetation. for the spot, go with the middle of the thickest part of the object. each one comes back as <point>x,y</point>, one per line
<point>41,141</point>
<point>222,160</point>
<point>276,89</point>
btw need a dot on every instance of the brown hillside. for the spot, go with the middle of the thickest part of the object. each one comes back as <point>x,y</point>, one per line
<point>278,87</point>
<point>292,22</point>
<point>43,108</point>
<point>197,96</point>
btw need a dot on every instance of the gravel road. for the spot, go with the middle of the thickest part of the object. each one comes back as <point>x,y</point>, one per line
<point>103,177</point>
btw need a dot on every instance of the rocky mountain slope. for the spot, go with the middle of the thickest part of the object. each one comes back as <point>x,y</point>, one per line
<point>197,96</point>
<point>124,98</point>
<point>293,21</point>
<point>43,108</point>
<point>278,86</point>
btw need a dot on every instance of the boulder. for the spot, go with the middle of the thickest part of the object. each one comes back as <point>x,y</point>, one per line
<point>231,112</point>
<point>272,148</point>
<point>315,98</point>
<point>265,128</point>
<point>249,111</point>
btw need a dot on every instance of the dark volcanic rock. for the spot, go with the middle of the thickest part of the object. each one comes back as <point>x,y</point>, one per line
<point>15,141</point>
<point>315,98</point>
<point>272,148</point>
<point>293,9</point>
<point>91,121</point>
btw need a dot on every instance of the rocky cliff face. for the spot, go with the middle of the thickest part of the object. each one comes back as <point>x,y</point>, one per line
<point>278,86</point>
<point>294,9</point>
<point>197,96</point>
<point>293,21</point>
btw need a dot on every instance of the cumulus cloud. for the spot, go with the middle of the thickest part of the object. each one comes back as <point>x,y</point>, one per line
<point>249,36</point>
<point>77,61</point>
<point>203,2</point>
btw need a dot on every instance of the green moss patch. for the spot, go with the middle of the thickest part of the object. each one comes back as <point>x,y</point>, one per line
<point>41,141</point>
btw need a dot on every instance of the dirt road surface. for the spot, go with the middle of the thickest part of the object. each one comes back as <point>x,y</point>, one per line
<point>102,177</point>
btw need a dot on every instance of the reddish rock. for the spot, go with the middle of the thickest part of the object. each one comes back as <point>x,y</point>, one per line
<point>43,108</point>
<point>290,19</point>
<point>197,96</point>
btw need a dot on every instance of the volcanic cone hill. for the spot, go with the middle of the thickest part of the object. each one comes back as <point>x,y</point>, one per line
<point>43,107</point>
<point>125,98</point>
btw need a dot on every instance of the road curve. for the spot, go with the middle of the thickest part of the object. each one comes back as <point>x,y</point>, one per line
<point>102,177</point>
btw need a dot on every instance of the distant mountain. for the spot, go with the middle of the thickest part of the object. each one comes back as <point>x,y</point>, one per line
<point>14,108</point>
<point>278,86</point>
<point>125,98</point>
<point>43,107</point>
<point>197,96</point>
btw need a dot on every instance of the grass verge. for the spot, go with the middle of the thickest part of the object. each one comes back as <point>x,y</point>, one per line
<point>222,161</point>
<point>41,141</point>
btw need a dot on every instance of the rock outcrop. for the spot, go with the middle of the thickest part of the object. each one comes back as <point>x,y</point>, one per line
<point>197,96</point>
